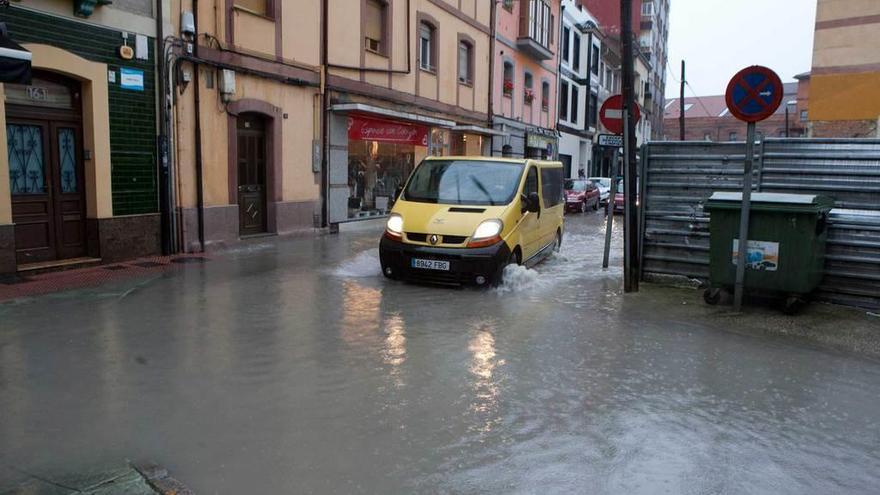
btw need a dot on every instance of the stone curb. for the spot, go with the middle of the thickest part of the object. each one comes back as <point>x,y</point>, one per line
<point>157,477</point>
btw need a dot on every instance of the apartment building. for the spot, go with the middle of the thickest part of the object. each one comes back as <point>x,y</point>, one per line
<point>78,166</point>
<point>412,81</point>
<point>525,68</point>
<point>844,83</point>
<point>579,75</point>
<point>650,22</point>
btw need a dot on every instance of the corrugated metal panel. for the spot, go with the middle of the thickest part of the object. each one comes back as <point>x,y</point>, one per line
<point>679,177</point>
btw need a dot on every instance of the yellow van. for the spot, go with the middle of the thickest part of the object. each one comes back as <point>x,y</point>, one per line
<point>461,220</point>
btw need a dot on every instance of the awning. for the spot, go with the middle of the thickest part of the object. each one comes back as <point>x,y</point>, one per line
<point>474,129</point>
<point>15,61</point>
<point>392,114</point>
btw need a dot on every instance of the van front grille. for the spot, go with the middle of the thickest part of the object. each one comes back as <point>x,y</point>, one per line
<point>453,239</point>
<point>417,237</point>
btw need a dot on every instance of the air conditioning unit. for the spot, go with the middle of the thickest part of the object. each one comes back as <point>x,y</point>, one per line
<point>227,84</point>
<point>371,44</point>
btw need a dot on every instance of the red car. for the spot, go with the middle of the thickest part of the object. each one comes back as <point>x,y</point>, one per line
<point>619,204</point>
<point>581,194</point>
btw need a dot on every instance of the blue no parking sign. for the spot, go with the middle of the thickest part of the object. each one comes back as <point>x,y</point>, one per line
<point>754,94</point>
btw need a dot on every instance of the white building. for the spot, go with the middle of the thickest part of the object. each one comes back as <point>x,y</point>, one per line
<point>578,88</point>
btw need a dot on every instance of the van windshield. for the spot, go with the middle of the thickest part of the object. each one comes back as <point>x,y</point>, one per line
<point>464,182</point>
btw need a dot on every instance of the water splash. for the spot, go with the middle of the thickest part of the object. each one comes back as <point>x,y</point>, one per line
<point>364,264</point>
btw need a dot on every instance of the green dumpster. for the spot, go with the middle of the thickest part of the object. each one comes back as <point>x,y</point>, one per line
<point>786,249</point>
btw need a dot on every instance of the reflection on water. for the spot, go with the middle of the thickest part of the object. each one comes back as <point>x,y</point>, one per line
<point>394,351</point>
<point>486,388</point>
<point>360,313</point>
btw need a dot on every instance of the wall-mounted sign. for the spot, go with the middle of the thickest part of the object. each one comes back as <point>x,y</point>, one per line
<point>132,79</point>
<point>126,52</point>
<point>611,140</point>
<point>539,141</point>
<point>386,131</point>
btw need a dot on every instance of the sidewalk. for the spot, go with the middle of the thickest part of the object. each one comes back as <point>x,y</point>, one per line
<point>137,479</point>
<point>17,286</point>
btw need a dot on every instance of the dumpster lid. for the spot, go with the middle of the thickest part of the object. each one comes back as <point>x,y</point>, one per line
<point>758,197</point>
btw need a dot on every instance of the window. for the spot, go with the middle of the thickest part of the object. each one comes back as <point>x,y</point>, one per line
<point>540,22</point>
<point>566,38</point>
<point>594,60</point>
<point>507,89</point>
<point>374,26</point>
<point>427,45</point>
<point>563,101</point>
<point>804,115</point>
<point>531,185</point>
<point>576,64</point>
<point>647,8</point>
<point>545,96</point>
<point>575,102</point>
<point>465,65</point>
<point>732,136</point>
<point>260,7</point>
<point>551,186</point>
<point>593,111</point>
<point>608,79</point>
<point>528,92</point>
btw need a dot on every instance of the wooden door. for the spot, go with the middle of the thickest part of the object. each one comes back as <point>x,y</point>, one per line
<point>67,189</point>
<point>30,184</point>
<point>251,174</point>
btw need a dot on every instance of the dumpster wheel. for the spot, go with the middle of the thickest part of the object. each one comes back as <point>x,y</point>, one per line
<point>793,305</point>
<point>712,296</point>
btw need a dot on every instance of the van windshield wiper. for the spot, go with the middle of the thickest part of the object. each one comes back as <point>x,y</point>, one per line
<point>483,189</point>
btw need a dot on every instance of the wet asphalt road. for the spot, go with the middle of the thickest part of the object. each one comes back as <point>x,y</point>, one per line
<point>291,366</point>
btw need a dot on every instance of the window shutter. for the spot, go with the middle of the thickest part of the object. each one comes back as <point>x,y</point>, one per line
<point>373,20</point>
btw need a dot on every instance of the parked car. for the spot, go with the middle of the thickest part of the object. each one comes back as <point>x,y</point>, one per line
<point>581,194</point>
<point>462,220</point>
<point>604,185</point>
<point>619,203</point>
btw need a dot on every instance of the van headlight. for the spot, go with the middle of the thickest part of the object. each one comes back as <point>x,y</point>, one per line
<point>487,233</point>
<point>394,225</point>
<point>489,228</point>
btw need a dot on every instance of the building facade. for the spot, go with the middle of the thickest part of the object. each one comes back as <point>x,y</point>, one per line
<point>524,75</point>
<point>413,82</point>
<point>650,21</point>
<point>78,174</point>
<point>578,89</point>
<point>844,95</point>
<point>708,119</point>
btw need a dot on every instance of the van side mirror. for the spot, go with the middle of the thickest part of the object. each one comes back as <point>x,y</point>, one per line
<point>397,192</point>
<point>533,204</point>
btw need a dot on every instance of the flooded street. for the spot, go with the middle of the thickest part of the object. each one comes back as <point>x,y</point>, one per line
<point>292,366</point>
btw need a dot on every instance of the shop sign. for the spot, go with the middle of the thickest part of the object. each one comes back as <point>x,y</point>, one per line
<point>132,79</point>
<point>539,141</point>
<point>368,129</point>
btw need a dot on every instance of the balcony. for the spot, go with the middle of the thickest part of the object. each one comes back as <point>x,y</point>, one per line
<point>535,29</point>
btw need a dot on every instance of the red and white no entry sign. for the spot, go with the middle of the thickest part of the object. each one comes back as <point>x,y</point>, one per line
<point>611,114</point>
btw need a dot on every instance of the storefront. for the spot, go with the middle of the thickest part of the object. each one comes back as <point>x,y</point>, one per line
<point>381,155</point>
<point>541,144</point>
<point>372,152</point>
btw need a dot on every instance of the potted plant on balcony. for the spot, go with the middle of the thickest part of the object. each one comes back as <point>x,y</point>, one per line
<point>528,96</point>
<point>508,87</point>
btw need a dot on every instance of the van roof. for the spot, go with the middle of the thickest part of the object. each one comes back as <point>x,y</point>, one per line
<point>543,163</point>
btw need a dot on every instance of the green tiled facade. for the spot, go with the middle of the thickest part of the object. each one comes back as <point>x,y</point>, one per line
<point>132,113</point>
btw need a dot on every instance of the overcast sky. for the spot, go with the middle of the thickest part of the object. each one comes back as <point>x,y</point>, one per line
<point>717,38</point>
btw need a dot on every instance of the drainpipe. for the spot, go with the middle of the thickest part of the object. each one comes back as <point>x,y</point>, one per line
<point>325,120</point>
<point>492,21</point>
<point>200,204</point>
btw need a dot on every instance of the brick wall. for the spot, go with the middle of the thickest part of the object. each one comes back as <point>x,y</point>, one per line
<point>132,113</point>
<point>845,129</point>
<point>720,128</point>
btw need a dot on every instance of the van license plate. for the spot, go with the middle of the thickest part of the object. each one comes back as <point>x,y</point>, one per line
<point>430,264</point>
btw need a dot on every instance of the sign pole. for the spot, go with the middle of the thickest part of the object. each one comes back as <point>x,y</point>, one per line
<point>744,218</point>
<point>609,209</point>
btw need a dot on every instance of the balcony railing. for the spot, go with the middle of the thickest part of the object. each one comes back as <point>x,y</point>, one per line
<point>535,29</point>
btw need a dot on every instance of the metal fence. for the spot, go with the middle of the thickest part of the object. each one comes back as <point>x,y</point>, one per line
<point>678,177</point>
